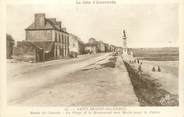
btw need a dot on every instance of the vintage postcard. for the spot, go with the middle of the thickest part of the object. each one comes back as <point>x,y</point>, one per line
<point>92,58</point>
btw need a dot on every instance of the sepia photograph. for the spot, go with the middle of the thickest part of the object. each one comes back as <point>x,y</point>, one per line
<point>92,54</point>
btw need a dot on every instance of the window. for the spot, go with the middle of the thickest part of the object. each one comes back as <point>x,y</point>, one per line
<point>62,39</point>
<point>55,37</point>
<point>59,39</point>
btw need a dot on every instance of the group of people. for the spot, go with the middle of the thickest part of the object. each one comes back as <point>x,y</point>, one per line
<point>154,69</point>
<point>134,61</point>
<point>139,68</point>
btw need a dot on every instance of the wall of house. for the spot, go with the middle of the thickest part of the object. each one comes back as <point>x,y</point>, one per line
<point>57,39</point>
<point>61,40</point>
<point>65,44</point>
<point>39,35</point>
<point>24,51</point>
<point>73,44</point>
<point>101,47</point>
<point>81,47</point>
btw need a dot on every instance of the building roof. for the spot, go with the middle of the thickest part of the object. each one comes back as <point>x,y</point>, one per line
<point>72,36</point>
<point>50,24</point>
<point>91,44</point>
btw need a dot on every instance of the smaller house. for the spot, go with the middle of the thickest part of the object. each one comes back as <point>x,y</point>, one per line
<point>91,46</point>
<point>49,29</point>
<point>112,48</point>
<point>74,49</point>
<point>101,46</point>
<point>9,46</point>
<point>34,51</point>
<point>107,47</point>
<point>81,47</point>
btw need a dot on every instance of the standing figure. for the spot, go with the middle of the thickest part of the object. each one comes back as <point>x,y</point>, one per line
<point>140,69</point>
<point>159,70</point>
<point>138,61</point>
<point>153,69</point>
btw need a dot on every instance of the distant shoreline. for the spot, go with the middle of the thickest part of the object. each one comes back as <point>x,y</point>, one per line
<point>157,54</point>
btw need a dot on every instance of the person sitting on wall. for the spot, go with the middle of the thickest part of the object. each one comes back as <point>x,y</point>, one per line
<point>138,61</point>
<point>129,61</point>
<point>135,61</point>
<point>153,69</point>
<point>140,69</point>
<point>159,70</point>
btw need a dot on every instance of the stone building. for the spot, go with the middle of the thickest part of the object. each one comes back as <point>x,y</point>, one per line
<point>49,29</point>
<point>107,47</point>
<point>101,46</point>
<point>46,39</point>
<point>112,48</point>
<point>74,49</point>
<point>81,47</point>
<point>91,46</point>
<point>73,43</point>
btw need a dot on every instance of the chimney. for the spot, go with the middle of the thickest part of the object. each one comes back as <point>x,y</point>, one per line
<point>59,23</point>
<point>39,20</point>
<point>64,29</point>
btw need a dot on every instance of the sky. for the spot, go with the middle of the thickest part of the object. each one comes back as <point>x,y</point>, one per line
<point>146,25</point>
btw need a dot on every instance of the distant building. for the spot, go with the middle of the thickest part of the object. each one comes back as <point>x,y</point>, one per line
<point>9,46</point>
<point>47,32</point>
<point>107,47</point>
<point>91,46</point>
<point>48,29</point>
<point>101,46</point>
<point>81,47</point>
<point>112,48</point>
<point>92,41</point>
<point>73,43</point>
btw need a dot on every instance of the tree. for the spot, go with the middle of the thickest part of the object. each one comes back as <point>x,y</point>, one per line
<point>9,46</point>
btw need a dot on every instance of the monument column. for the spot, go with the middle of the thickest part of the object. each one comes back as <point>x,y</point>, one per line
<point>124,43</point>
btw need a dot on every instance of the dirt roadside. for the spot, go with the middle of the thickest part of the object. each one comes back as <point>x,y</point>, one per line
<point>29,84</point>
<point>103,83</point>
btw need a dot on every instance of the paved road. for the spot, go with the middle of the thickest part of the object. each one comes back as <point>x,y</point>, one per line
<point>81,82</point>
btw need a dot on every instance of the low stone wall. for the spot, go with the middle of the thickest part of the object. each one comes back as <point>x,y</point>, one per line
<point>24,52</point>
